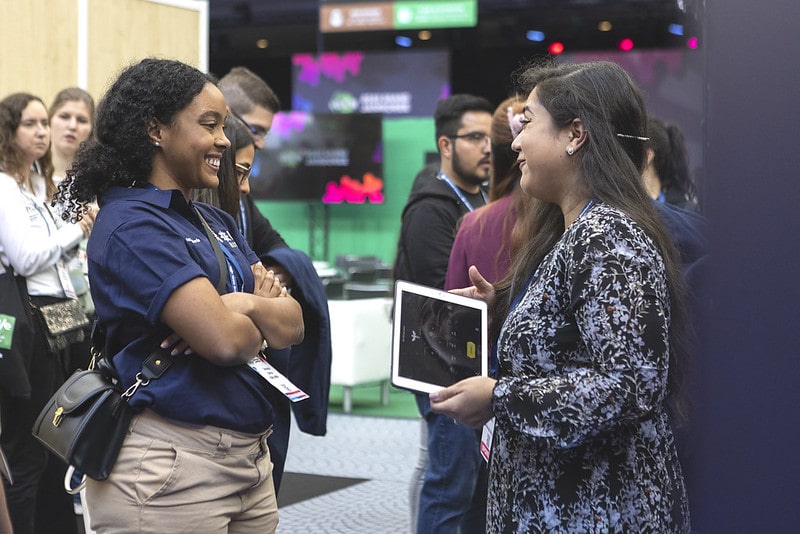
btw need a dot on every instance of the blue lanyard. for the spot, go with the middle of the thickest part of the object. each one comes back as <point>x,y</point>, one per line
<point>446,179</point>
<point>242,219</point>
<point>586,208</point>
<point>232,263</point>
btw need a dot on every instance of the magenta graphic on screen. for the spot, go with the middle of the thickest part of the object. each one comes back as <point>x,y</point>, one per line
<point>321,157</point>
<point>395,84</point>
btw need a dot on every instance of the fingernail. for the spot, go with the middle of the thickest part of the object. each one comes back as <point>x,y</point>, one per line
<point>434,396</point>
<point>164,344</point>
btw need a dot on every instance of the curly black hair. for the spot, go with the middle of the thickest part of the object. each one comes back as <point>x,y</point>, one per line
<point>121,152</point>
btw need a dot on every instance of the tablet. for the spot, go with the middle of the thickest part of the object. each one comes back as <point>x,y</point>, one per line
<point>438,338</point>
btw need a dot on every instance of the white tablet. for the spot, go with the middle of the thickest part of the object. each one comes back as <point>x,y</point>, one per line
<point>438,338</point>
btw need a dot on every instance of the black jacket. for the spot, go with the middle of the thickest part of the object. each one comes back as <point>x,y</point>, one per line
<point>260,233</point>
<point>430,219</point>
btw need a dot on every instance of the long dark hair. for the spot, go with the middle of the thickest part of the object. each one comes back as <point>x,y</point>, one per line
<point>670,159</point>
<point>608,103</point>
<point>11,108</point>
<point>121,152</point>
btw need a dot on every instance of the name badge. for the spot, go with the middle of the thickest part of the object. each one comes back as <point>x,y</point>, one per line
<point>66,281</point>
<point>486,439</point>
<point>276,379</point>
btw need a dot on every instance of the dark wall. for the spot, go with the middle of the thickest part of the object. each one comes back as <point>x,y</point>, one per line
<point>748,458</point>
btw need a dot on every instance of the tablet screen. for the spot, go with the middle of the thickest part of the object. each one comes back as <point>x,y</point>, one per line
<point>439,338</point>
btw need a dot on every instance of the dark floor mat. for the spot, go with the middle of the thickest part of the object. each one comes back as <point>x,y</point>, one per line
<point>296,487</point>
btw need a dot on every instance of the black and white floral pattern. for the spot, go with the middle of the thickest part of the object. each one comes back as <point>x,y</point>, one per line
<point>582,439</point>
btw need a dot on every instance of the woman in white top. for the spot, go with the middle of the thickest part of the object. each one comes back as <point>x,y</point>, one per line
<point>35,244</point>
<point>71,119</point>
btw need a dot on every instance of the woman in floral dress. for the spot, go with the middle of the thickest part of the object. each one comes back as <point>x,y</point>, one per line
<point>589,324</point>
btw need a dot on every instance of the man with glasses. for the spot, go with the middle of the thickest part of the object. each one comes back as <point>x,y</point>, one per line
<point>254,104</point>
<point>435,205</point>
<point>251,101</point>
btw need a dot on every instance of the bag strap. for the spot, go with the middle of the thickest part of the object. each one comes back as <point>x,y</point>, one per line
<point>153,367</point>
<point>223,265</point>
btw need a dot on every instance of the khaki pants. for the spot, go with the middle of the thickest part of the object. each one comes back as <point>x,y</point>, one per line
<point>172,477</point>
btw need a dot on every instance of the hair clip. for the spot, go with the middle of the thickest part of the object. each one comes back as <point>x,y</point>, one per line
<point>514,121</point>
<point>637,137</point>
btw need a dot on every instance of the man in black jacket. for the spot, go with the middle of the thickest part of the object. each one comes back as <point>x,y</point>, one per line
<point>434,207</point>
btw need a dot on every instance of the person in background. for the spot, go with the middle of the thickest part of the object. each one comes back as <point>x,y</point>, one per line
<point>314,351</point>
<point>71,119</point>
<point>37,245</point>
<point>195,456</point>
<point>449,459</point>
<point>487,238</point>
<point>590,325</point>
<point>666,174</point>
<point>251,101</point>
<point>308,365</point>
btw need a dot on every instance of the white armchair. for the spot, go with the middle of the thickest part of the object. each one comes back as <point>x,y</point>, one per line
<point>361,340</point>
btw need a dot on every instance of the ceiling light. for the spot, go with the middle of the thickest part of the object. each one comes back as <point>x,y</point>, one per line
<point>675,29</point>
<point>556,48</point>
<point>262,43</point>
<point>626,44</point>
<point>424,35</point>
<point>535,35</point>
<point>604,26</point>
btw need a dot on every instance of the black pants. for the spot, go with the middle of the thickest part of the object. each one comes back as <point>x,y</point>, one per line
<point>27,458</point>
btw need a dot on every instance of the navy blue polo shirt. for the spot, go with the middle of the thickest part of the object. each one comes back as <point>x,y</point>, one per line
<point>145,244</point>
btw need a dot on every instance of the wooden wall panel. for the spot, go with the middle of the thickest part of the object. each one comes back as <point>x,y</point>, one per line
<point>39,43</point>
<point>124,31</point>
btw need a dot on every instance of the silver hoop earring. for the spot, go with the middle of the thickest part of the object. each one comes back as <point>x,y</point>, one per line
<point>570,150</point>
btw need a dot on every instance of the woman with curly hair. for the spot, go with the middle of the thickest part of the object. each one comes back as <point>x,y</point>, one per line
<point>195,457</point>
<point>589,325</point>
<point>37,246</point>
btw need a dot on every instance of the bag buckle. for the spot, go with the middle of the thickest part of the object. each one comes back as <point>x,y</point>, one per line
<point>140,381</point>
<point>58,416</point>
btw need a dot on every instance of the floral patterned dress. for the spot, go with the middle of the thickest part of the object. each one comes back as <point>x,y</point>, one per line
<point>582,439</point>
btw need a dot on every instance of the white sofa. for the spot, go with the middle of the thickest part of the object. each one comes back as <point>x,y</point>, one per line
<point>361,339</point>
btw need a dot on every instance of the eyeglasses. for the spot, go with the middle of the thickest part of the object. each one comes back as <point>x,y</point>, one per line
<point>476,138</point>
<point>257,131</point>
<point>243,172</point>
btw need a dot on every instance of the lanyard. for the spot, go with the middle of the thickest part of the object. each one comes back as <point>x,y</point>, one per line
<point>242,218</point>
<point>446,179</point>
<point>232,263</point>
<point>586,208</point>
